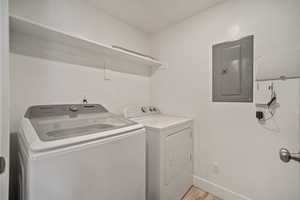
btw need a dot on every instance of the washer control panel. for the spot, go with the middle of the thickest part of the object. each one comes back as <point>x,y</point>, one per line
<point>63,109</point>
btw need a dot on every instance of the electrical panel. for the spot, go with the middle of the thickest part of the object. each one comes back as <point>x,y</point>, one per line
<point>233,71</point>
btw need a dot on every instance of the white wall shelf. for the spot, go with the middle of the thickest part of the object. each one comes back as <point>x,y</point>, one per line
<point>32,39</point>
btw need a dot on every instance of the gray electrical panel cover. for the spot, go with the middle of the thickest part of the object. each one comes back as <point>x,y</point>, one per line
<point>233,71</point>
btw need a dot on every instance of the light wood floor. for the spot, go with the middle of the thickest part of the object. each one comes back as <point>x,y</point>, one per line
<point>198,194</point>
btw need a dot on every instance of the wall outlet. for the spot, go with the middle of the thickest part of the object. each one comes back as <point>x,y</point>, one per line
<point>215,168</point>
<point>107,76</point>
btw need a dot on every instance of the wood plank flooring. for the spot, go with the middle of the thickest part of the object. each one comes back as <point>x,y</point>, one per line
<point>196,193</point>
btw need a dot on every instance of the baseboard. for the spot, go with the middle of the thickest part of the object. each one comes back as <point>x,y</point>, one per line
<point>218,190</point>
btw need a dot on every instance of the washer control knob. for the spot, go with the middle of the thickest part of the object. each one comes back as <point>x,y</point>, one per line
<point>73,108</point>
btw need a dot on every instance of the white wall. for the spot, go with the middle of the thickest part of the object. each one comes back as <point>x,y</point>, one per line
<point>37,81</point>
<point>79,17</point>
<point>227,134</point>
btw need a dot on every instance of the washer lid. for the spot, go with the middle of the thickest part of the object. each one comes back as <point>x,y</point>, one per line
<point>54,122</point>
<point>160,121</point>
<point>55,128</point>
<point>35,144</point>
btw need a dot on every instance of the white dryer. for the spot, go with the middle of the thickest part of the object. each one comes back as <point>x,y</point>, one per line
<point>169,147</point>
<point>76,152</point>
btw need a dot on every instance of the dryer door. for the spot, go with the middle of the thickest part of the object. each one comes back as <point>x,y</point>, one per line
<point>178,163</point>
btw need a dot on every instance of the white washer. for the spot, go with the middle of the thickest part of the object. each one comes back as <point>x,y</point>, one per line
<point>169,142</point>
<point>76,152</point>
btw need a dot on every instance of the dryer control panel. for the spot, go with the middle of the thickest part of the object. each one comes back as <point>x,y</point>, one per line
<point>138,111</point>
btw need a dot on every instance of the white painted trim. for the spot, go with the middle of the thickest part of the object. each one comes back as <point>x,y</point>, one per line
<point>218,190</point>
<point>4,96</point>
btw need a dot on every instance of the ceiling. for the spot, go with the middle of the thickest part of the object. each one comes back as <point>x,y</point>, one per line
<point>152,15</point>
